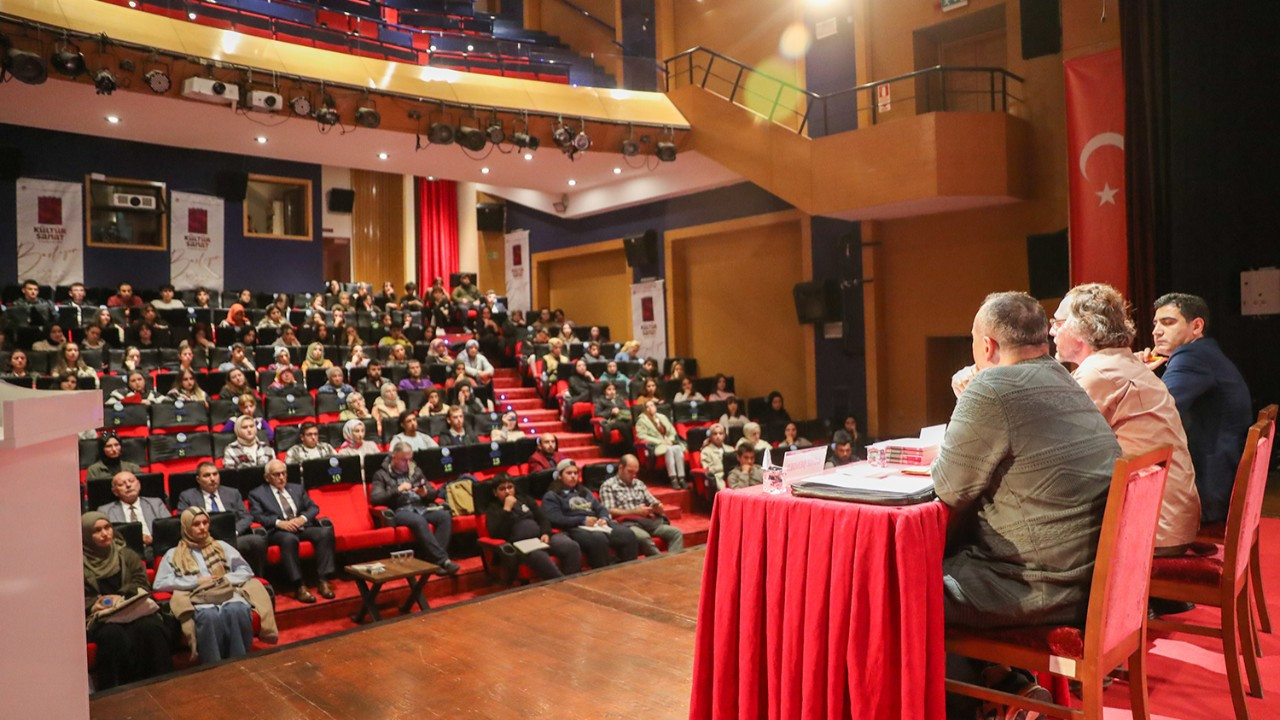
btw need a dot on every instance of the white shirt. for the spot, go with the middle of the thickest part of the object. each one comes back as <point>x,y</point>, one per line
<point>208,503</point>
<point>142,517</point>
<point>286,503</point>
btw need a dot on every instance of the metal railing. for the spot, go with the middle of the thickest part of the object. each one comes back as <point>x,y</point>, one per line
<point>933,89</point>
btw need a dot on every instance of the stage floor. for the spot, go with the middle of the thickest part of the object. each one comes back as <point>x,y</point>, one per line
<point>616,643</point>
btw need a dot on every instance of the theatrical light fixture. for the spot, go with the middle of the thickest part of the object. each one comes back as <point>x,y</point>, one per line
<point>158,81</point>
<point>67,60</point>
<point>581,141</point>
<point>666,151</point>
<point>105,82</point>
<point>327,116</point>
<point>562,136</point>
<point>368,117</point>
<point>301,105</point>
<point>630,148</point>
<point>27,67</point>
<point>440,133</point>
<point>495,132</point>
<point>525,141</point>
<point>471,138</point>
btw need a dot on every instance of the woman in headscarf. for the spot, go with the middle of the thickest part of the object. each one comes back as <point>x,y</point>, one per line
<point>353,433</point>
<point>236,317</point>
<point>776,412</point>
<point>355,408</point>
<point>282,359</point>
<point>388,405</point>
<point>438,353</point>
<point>751,438</point>
<point>127,651</point>
<point>207,577</point>
<point>315,359</point>
<point>654,429</point>
<point>109,462</point>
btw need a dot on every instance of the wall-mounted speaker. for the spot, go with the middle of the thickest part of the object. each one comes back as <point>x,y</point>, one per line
<point>642,250</point>
<point>491,217</point>
<point>1049,264</point>
<point>232,186</point>
<point>818,302</point>
<point>341,200</point>
<point>1041,28</point>
<point>10,164</point>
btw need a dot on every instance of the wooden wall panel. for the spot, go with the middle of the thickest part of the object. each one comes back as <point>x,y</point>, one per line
<point>377,229</point>
<point>593,289</point>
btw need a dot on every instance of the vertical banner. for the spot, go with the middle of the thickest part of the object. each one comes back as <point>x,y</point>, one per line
<point>196,241</point>
<point>519,296</point>
<point>649,318</point>
<point>50,231</point>
<point>1095,169</point>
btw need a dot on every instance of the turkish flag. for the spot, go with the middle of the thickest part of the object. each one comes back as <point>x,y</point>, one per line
<point>1095,160</point>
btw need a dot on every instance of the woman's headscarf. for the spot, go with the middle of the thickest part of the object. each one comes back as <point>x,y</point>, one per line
<point>99,562</point>
<point>710,430</point>
<point>751,431</point>
<point>349,433</point>
<point>113,464</point>
<point>315,352</point>
<point>235,315</point>
<point>184,560</point>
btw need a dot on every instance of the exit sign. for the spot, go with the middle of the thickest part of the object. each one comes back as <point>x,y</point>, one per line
<point>953,4</point>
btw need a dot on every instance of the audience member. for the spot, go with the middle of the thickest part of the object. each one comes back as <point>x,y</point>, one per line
<point>722,391</point>
<point>842,450</point>
<point>775,412</point>
<point>712,457</point>
<point>791,439</point>
<point>274,319</point>
<point>409,434</point>
<point>111,331</point>
<point>410,302</point>
<point>51,341</point>
<point>336,383</point>
<point>29,309</point>
<point>747,473</point>
<point>457,433</point>
<point>236,318</point>
<point>315,359</point>
<point>388,405</point>
<point>630,503</point>
<point>415,380</point>
<point>353,434</point>
<point>238,360</point>
<point>167,301</point>
<point>131,507</point>
<point>438,353</point>
<point>628,352</point>
<point>459,376</point>
<point>187,389</point>
<point>687,393</point>
<point>548,454</point>
<point>356,357</point>
<point>354,408</point>
<point>124,298</point>
<point>289,514</point>
<point>17,364</point>
<point>612,410</point>
<point>751,438</point>
<point>649,391</point>
<point>236,385</point>
<point>372,381</point>
<point>282,360</point>
<point>398,357</point>
<point>1091,329</point>
<point>434,404</point>
<point>466,295</point>
<point>573,508</point>
<point>612,375</point>
<point>109,463</point>
<point>395,336</point>
<point>1210,393</point>
<point>401,485</point>
<point>517,517</point>
<point>656,431</point>
<point>552,360</point>
<point>134,391</point>
<point>71,363</point>
<point>677,371</point>
<point>477,366</point>
<point>286,385</point>
<point>310,447</point>
<point>91,338</point>
<point>246,451</point>
<point>247,407</point>
<point>469,402</point>
<point>509,430</point>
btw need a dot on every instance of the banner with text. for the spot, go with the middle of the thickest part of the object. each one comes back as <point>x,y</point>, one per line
<point>50,231</point>
<point>519,295</point>
<point>196,241</point>
<point>649,318</point>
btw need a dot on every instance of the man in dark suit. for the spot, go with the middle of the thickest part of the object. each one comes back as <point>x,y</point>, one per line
<point>214,498</point>
<point>289,515</point>
<point>129,507</point>
<point>1211,395</point>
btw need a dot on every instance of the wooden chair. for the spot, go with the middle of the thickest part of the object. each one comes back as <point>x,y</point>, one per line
<point>1224,584</point>
<point>1115,629</point>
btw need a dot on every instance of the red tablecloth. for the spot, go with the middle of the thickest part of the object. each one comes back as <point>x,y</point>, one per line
<point>820,609</point>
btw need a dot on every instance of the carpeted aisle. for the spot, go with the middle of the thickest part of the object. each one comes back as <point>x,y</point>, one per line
<point>1187,677</point>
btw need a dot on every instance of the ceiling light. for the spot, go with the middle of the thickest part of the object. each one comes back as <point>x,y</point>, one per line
<point>27,67</point>
<point>158,81</point>
<point>440,134</point>
<point>525,141</point>
<point>301,105</point>
<point>431,178</point>
<point>105,82</point>
<point>113,119</point>
<point>191,16</point>
<point>383,156</point>
<point>572,182</point>
<point>67,61</point>
<point>471,138</point>
<point>484,171</point>
<point>368,117</point>
<point>133,3</point>
<point>666,151</point>
<point>261,139</point>
<point>528,156</point>
<point>617,171</point>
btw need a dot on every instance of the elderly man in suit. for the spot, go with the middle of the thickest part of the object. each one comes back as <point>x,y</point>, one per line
<point>214,498</point>
<point>289,515</point>
<point>129,507</point>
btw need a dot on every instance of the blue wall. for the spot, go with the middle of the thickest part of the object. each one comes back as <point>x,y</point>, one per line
<point>260,265</point>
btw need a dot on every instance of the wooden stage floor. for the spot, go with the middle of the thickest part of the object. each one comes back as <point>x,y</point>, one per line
<point>617,643</point>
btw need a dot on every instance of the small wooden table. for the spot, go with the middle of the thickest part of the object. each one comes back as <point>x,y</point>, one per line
<point>370,584</point>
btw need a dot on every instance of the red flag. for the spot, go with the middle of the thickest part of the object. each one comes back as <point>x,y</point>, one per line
<point>1095,160</point>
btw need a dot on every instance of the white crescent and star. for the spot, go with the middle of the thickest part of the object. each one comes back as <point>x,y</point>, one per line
<point>1107,196</point>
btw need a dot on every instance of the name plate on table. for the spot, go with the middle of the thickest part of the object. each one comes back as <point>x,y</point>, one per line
<point>864,483</point>
<point>801,464</point>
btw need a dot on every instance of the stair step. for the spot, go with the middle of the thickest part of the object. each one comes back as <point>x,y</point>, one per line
<point>516,394</point>
<point>572,439</point>
<point>581,453</point>
<point>521,405</point>
<point>545,426</point>
<point>530,417</point>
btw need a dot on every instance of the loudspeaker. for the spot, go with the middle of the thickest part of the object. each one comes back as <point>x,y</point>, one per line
<point>10,163</point>
<point>642,250</point>
<point>818,302</point>
<point>491,217</point>
<point>232,186</point>
<point>341,200</point>
<point>1049,264</point>
<point>1041,28</point>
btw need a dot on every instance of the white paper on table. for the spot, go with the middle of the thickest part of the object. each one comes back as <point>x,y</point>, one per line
<point>597,528</point>
<point>933,435</point>
<point>864,476</point>
<point>801,464</point>
<point>530,545</point>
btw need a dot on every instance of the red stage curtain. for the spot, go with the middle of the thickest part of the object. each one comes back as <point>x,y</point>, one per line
<point>437,231</point>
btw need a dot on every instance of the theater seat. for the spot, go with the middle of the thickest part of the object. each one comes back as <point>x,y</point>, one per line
<point>347,505</point>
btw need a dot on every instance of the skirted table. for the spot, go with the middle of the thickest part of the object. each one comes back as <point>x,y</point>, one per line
<point>820,609</point>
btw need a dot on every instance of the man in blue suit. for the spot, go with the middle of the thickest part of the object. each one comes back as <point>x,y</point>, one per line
<point>1211,395</point>
<point>289,515</point>
<point>213,498</point>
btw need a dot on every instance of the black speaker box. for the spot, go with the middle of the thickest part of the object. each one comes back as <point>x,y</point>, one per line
<point>818,302</point>
<point>1041,28</point>
<point>491,217</point>
<point>232,186</point>
<point>642,250</point>
<point>1049,264</point>
<point>341,200</point>
<point>10,163</point>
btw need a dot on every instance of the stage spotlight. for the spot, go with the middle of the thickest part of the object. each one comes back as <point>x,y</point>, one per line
<point>68,61</point>
<point>440,134</point>
<point>105,82</point>
<point>27,67</point>
<point>581,141</point>
<point>525,141</point>
<point>666,151</point>
<point>301,105</point>
<point>368,117</point>
<point>630,148</point>
<point>562,136</point>
<point>495,132</point>
<point>158,81</point>
<point>328,114</point>
<point>470,138</point>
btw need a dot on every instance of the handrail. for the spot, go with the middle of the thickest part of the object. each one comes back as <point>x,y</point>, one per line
<point>594,18</point>
<point>812,98</point>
